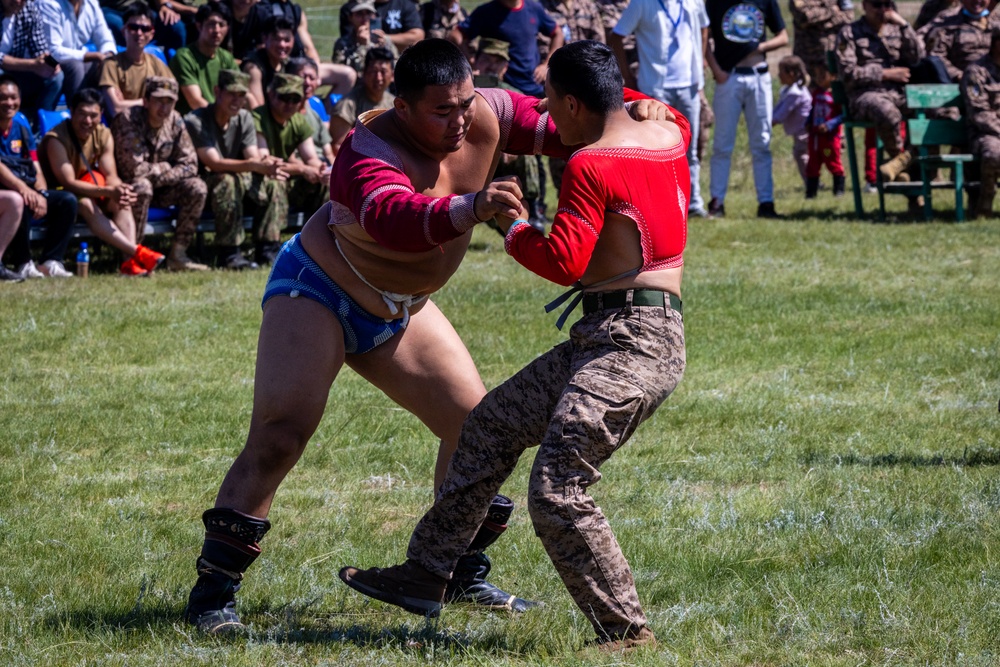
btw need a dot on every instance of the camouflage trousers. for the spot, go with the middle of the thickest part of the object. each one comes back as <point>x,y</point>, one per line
<point>581,401</point>
<point>525,168</point>
<point>227,194</point>
<point>187,195</point>
<point>885,109</point>
<point>301,195</point>
<point>812,45</point>
<point>987,149</point>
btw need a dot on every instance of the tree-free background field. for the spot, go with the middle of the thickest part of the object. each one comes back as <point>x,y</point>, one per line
<point>822,488</point>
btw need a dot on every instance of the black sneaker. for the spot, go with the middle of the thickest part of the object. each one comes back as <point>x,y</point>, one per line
<point>237,262</point>
<point>766,210</point>
<point>716,209</point>
<point>267,251</point>
<point>8,276</point>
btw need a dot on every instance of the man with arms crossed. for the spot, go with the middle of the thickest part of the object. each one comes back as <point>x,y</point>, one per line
<point>618,238</point>
<point>353,288</point>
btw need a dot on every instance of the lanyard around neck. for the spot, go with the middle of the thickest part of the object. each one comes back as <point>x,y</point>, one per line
<point>680,13</point>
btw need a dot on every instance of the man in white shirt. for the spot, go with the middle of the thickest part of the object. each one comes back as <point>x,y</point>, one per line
<point>670,37</point>
<point>72,24</point>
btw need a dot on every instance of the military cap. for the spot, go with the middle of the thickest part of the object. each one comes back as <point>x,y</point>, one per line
<point>495,47</point>
<point>234,81</point>
<point>361,6</point>
<point>287,84</point>
<point>161,86</point>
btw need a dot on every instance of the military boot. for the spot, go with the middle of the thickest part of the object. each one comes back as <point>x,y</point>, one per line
<point>812,187</point>
<point>893,168</point>
<point>178,260</point>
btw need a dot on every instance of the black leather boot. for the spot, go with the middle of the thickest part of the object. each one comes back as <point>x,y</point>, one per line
<point>838,186</point>
<point>812,187</point>
<point>231,546</point>
<point>468,582</point>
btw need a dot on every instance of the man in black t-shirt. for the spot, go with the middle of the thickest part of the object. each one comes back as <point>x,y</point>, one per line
<point>400,21</point>
<point>743,86</point>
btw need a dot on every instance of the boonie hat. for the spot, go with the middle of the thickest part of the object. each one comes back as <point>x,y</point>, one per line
<point>161,86</point>
<point>234,81</point>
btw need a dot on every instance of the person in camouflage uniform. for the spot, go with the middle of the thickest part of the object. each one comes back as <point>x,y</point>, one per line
<point>816,24</point>
<point>226,142</point>
<point>351,49</point>
<point>980,86</point>
<point>611,12</point>
<point>932,9</point>
<point>874,55</point>
<point>440,17</point>
<point>156,157</point>
<point>961,38</point>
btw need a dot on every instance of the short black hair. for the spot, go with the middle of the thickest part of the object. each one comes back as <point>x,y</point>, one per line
<point>8,80</point>
<point>296,65</point>
<point>276,23</point>
<point>138,9</point>
<point>213,7</point>
<point>85,96</point>
<point>588,71</point>
<point>430,62</point>
<point>379,54</point>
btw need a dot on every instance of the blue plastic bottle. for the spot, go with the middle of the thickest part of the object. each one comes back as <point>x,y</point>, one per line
<point>83,261</point>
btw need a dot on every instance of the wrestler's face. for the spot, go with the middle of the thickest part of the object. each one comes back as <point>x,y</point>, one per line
<point>439,120</point>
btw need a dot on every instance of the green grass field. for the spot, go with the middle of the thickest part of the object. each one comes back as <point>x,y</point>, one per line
<point>822,488</point>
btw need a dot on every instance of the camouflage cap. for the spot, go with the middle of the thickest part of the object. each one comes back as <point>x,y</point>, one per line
<point>161,86</point>
<point>495,47</point>
<point>234,81</point>
<point>287,84</point>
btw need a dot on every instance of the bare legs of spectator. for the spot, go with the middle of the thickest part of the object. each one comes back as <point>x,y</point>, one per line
<point>118,231</point>
<point>11,210</point>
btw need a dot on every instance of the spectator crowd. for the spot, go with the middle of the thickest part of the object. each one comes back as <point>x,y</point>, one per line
<point>112,108</point>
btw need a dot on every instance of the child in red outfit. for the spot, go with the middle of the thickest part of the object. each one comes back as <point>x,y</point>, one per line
<point>824,136</point>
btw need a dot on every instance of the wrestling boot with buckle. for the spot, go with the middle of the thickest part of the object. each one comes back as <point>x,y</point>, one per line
<point>893,168</point>
<point>468,582</point>
<point>410,586</point>
<point>231,545</point>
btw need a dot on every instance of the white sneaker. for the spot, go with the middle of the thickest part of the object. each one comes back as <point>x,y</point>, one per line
<point>29,270</point>
<point>53,268</point>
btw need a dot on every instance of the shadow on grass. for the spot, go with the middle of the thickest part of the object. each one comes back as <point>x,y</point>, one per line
<point>968,458</point>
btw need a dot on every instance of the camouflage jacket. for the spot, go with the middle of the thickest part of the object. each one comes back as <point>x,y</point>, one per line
<point>165,156</point>
<point>611,12</point>
<point>347,51</point>
<point>958,40</point>
<point>578,19</point>
<point>437,22</point>
<point>818,15</point>
<point>981,94</point>
<point>862,54</point>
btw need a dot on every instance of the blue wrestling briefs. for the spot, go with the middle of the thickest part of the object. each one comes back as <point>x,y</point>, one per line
<point>295,274</point>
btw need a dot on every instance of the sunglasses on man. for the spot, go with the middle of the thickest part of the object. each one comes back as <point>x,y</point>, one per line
<point>290,98</point>
<point>140,27</point>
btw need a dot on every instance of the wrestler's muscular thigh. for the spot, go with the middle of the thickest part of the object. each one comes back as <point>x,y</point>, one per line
<point>427,370</point>
<point>299,353</point>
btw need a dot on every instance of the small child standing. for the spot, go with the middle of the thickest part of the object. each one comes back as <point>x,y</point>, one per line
<point>792,109</point>
<point>824,135</point>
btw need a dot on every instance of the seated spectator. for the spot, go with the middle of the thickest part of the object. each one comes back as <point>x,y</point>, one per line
<point>79,155</point>
<point>309,71</point>
<point>439,17</point>
<point>281,132</point>
<point>236,173</point>
<point>196,67</point>
<point>156,157</point>
<point>24,55</point>
<point>244,29</point>
<point>169,36</point>
<point>351,49</point>
<point>24,194</point>
<point>261,64</point>
<point>268,10</point>
<point>960,39</point>
<point>400,21</point>
<point>72,25</point>
<point>980,85</point>
<point>123,76</point>
<point>372,92</point>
